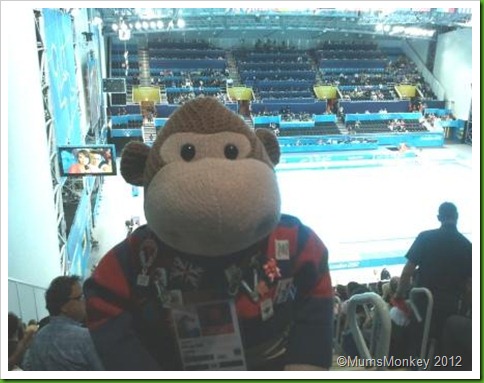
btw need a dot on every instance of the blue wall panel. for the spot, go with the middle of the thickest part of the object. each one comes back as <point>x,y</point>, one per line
<point>374,106</point>
<point>61,66</point>
<point>318,107</point>
<point>382,116</point>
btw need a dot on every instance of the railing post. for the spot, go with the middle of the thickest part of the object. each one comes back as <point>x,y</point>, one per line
<point>428,316</point>
<point>381,316</point>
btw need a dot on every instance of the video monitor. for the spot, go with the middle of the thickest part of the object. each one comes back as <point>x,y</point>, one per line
<point>114,85</point>
<point>85,160</point>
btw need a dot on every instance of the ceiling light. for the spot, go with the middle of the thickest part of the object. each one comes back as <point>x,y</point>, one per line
<point>137,25</point>
<point>124,34</point>
<point>180,23</point>
<point>115,27</point>
<point>153,24</point>
<point>145,24</point>
<point>159,24</point>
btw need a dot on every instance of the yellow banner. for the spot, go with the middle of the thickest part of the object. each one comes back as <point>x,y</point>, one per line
<point>324,92</point>
<point>406,91</point>
<point>146,93</point>
<point>240,93</point>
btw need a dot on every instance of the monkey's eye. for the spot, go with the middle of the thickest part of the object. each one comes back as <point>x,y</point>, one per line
<point>187,152</point>
<point>231,152</point>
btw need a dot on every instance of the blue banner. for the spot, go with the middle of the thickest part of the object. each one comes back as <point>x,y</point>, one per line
<point>61,66</point>
<point>382,116</point>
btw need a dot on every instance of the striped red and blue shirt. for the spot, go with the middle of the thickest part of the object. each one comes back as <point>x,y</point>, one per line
<point>132,327</point>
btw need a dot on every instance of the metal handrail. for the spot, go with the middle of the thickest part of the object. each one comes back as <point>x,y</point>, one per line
<point>381,326</point>
<point>27,284</point>
<point>31,290</point>
<point>428,316</point>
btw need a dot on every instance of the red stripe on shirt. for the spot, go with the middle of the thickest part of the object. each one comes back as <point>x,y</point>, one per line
<point>314,251</point>
<point>100,311</point>
<point>110,275</point>
<point>323,288</point>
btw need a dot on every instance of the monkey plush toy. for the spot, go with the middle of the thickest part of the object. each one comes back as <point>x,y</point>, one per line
<point>218,278</point>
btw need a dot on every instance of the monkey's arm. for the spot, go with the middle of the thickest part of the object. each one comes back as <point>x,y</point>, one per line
<point>110,316</point>
<point>311,339</point>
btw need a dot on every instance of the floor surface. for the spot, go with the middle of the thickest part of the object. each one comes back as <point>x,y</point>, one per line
<point>366,211</point>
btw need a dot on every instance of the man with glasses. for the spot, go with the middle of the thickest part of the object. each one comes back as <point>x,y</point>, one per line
<point>64,344</point>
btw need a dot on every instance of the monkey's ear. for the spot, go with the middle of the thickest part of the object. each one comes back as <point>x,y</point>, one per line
<point>269,140</point>
<point>133,161</point>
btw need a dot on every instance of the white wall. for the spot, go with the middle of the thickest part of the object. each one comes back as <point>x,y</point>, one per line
<point>453,69</point>
<point>33,250</point>
<point>421,48</point>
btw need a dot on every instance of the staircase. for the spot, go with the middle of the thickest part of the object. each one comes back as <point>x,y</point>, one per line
<point>163,96</point>
<point>341,126</point>
<point>129,93</point>
<point>315,66</point>
<point>248,121</point>
<point>232,68</point>
<point>145,74</point>
<point>148,132</point>
<point>144,67</point>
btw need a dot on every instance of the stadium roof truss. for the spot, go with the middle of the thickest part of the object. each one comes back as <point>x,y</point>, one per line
<point>281,23</point>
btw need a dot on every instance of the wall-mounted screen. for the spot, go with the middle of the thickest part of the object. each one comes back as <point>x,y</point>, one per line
<point>83,160</point>
<point>114,85</point>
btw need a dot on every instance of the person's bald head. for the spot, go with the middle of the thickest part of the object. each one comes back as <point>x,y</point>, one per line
<point>448,213</point>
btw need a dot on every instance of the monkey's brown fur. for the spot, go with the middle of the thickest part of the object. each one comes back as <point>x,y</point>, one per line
<point>230,202</point>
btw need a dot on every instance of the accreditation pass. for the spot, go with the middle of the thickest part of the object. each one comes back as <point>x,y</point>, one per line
<point>208,336</point>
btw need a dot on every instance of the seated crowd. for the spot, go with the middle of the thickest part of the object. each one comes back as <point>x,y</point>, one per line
<point>59,342</point>
<point>181,98</point>
<point>407,324</point>
<point>62,342</point>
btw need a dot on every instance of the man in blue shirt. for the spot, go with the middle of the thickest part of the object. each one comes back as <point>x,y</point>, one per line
<point>63,344</point>
<point>440,260</point>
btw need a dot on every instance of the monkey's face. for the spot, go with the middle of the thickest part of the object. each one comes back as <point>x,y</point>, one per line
<point>210,185</point>
<point>211,196</point>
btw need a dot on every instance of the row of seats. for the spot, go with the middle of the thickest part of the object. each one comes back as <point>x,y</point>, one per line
<point>294,79</point>
<point>350,54</point>
<point>133,124</point>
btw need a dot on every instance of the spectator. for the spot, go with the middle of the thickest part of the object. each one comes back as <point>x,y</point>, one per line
<point>18,340</point>
<point>444,260</point>
<point>63,344</point>
<point>341,292</point>
<point>389,289</point>
<point>385,275</point>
